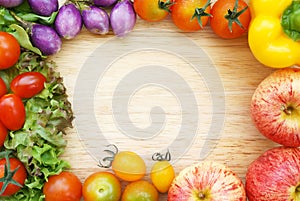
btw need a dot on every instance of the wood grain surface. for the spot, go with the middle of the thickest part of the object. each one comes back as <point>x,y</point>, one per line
<point>238,143</point>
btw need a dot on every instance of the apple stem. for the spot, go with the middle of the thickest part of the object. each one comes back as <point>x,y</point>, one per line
<point>201,195</point>
<point>287,110</point>
<point>298,189</point>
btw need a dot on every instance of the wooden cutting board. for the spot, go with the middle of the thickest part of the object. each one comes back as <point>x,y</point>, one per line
<point>236,144</point>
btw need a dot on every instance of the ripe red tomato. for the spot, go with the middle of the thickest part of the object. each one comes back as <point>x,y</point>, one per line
<point>9,50</point>
<point>185,14</point>
<point>28,84</point>
<point>65,186</point>
<point>101,186</point>
<point>152,10</point>
<point>3,134</point>
<point>19,176</point>
<point>12,112</point>
<point>230,18</point>
<point>3,88</point>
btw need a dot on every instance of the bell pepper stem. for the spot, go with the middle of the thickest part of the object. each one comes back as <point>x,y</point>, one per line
<point>290,21</point>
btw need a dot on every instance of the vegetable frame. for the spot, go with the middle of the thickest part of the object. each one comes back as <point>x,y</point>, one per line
<point>274,32</point>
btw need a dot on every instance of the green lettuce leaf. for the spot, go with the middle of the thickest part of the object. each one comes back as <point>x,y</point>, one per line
<point>40,143</point>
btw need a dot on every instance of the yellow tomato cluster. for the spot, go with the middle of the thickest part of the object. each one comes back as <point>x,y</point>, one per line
<point>131,168</point>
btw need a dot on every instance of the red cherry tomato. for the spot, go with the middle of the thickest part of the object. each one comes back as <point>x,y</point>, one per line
<point>226,12</point>
<point>12,112</point>
<point>3,134</point>
<point>9,50</point>
<point>3,88</point>
<point>19,176</point>
<point>65,186</point>
<point>27,85</point>
<point>152,10</point>
<point>186,12</point>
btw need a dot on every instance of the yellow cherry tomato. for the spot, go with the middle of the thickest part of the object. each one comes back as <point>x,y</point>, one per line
<point>128,166</point>
<point>140,191</point>
<point>162,174</point>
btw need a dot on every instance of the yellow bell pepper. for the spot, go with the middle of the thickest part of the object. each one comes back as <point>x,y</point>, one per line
<point>274,32</point>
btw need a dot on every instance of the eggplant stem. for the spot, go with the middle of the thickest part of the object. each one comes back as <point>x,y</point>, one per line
<point>24,24</point>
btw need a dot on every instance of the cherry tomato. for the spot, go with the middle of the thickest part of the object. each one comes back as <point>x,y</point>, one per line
<point>65,186</point>
<point>162,175</point>
<point>19,176</point>
<point>128,166</point>
<point>12,112</point>
<point>3,88</point>
<point>9,50</point>
<point>101,186</point>
<point>190,15</point>
<point>3,134</point>
<point>28,84</point>
<point>230,18</point>
<point>140,190</point>
<point>152,10</point>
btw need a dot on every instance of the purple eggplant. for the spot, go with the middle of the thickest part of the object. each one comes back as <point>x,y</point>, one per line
<point>43,7</point>
<point>45,38</point>
<point>95,19</point>
<point>104,3</point>
<point>122,18</point>
<point>68,22</point>
<point>10,3</point>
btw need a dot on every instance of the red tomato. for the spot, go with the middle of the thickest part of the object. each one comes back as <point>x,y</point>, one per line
<point>152,10</point>
<point>184,14</point>
<point>226,12</point>
<point>12,112</point>
<point>19,176</point>
<point>101,186</point>
<point>27,85</point>
<point>3,134</point>
<point>3,88</point>
<point>65,186</point>
<point>9,50</point>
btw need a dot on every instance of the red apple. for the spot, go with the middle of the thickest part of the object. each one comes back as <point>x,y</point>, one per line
<point>275,107</point>
<point>207,181</point>
<point>275,176</point>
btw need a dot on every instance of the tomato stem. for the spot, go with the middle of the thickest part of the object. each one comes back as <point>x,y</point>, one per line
<point>109,159</point>
<point>161,157</point>
<point>165,5</point>
<point>200,12</point>
<point>233,15</point>
<point>8,175</point>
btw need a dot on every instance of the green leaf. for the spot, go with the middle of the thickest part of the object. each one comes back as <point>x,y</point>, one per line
<point>40,143</point>
<point>5,17</point>
<point>23,38</point>
<point>32,17</point>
